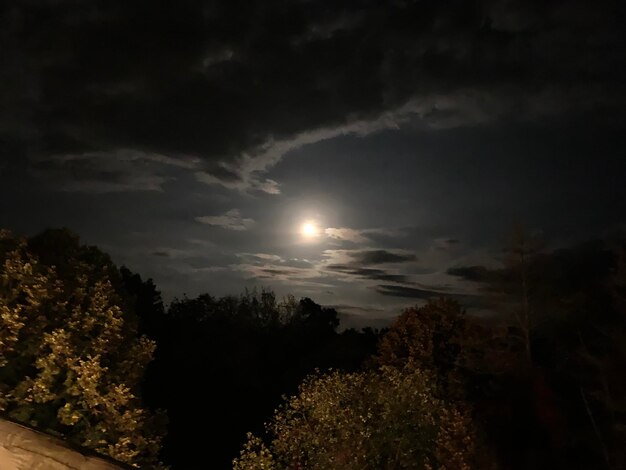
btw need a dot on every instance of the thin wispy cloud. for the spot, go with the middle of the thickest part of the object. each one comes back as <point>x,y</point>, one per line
<point>231,220</point>
<point>368,257</point>
<point>122,170</point>
<point>345,234</point>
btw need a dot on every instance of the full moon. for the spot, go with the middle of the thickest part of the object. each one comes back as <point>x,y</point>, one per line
<point>309,230</point>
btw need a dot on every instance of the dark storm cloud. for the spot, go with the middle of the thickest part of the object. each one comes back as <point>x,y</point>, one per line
<point>239,84</point>
<point>370,257</point>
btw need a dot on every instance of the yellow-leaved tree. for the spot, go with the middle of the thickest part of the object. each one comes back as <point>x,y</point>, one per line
<point>71,361</point>
<point>374,420</point>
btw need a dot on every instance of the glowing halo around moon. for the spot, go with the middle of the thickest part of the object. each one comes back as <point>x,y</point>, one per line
<point>309,230</point>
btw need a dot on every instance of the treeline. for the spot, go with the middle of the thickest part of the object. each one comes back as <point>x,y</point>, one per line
<point>89,352</point>
<point>222,365</point>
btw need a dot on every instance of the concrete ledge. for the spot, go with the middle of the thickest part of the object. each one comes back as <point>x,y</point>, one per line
<point>22,448</point>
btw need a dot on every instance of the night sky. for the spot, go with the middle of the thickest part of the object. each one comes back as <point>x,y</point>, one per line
<point>193,140</point>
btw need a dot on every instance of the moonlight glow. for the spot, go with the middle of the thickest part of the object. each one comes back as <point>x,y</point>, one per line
<point>309,230</point>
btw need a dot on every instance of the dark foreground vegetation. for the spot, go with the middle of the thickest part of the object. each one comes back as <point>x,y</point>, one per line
<point>88,352</point>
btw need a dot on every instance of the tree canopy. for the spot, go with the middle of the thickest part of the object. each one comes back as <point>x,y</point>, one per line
<point>382,419</point>
<point>89,351</point>
<point>71,360</point>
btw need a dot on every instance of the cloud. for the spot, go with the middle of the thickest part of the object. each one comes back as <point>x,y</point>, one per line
<point>345,234</point>
<point>121,170</point>
<point>425,293</point>
<point>262,259</point>
<point>268,186</point>
<point>240,181</point>
<point>407,292</point>
<point>292,275</point>
<point>231,220</point>
<point>267,266</point>
<point>368,273</point>
<point>369,257</point>
<point>186,85</point>
<point>472,273</point>
<point>445,244</point>
<point>355,264</point>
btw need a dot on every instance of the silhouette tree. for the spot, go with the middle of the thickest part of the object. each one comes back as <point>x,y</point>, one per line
<point>227,361</point>
<point>571,320</point>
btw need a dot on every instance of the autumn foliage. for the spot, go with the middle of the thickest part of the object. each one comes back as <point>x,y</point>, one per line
<point>381,419</point>
<point>71,361</point>
<point>401,413</point>
<point>539,385</point>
